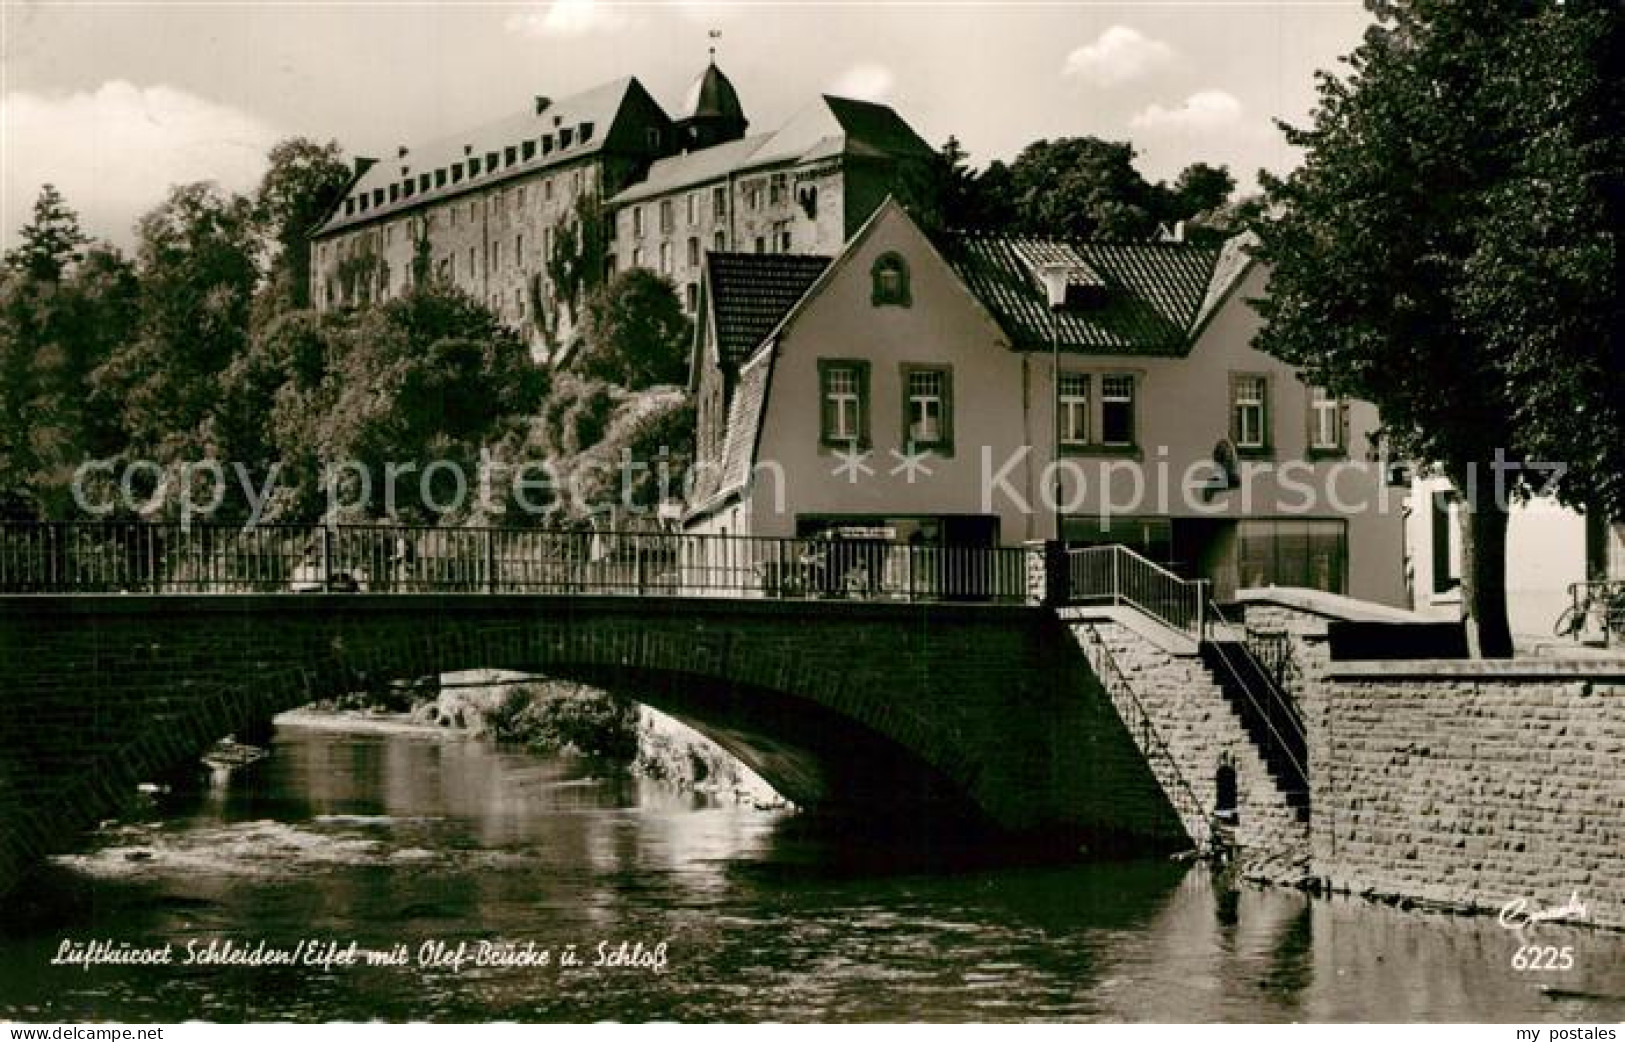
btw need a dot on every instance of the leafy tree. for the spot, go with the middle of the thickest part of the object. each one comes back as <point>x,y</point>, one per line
<point>1200,188</point>
<point>635,334</point>
<point>62,310</point>
<point>1083,187</point>
<point>51,242</point>
<point>580,256</point>
<point>196,263</point>
<point>302,184</point>
<point>1447,251</point>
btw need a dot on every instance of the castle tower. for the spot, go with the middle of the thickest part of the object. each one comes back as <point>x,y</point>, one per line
<point>711,112</point>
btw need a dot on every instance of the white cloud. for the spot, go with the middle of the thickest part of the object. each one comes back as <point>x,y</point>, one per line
<point>866,82</point>
<point>568,18</point>
<point>1205,111</point>
<point>1120,54</point>
<point>114,152</point>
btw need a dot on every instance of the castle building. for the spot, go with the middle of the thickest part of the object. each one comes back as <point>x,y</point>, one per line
<point>527,213</point>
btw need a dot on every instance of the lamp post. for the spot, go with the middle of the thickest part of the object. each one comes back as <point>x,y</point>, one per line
<point>1056,277</point>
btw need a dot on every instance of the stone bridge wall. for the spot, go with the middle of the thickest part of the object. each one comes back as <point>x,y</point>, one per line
<point>990,708</point>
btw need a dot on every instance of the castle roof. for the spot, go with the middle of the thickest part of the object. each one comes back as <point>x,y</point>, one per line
<point>549,133</point>
<point>712,97</point>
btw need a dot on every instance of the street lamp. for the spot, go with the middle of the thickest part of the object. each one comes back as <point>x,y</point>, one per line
<point>1056,278</point>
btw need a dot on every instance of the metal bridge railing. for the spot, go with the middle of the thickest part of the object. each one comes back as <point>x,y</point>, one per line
<point>150,557</point>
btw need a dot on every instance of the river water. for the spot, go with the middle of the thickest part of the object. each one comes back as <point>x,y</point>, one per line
<point>428,840</point>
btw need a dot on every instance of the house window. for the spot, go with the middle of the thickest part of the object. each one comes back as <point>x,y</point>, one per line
<point>637,220</point>
<point>1325,423</point>
<point>693,251</point>
<point>1311,554</point>
<point>496,256</point>
<point>776,189</point>
<point>1073,405</point>
<point>719,202</point>
<point>691,296</point>
<point>519,249</point>
<point>719,241</point>
<point>547,190</point>
<point>890,278</point>
<point>665,217</point>
<point>665,258</point>
<point>844,392</point>
<point>693,208</point>
<point>1117,409</point>
<point>473,267</point>
<point>1249,412</point>
<point>637,256</point>
<point>927,407</point>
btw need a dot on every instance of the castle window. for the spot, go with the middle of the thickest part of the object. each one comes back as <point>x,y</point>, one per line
<point>377,197</point>
<point>394,192</point>
<point>665,258</point>
<point>407,188</point>
<point>547,190</point>
<point>424,183</point>
<point>473,168</point>
<point>363,204</point>
<point>440,178</point>
<point>491,161</point>
<point>719,202</point>
<point>575,182</point>
<point>637,221</point>
<point>528,150</point>
<point>521,202</point>
<point>693,251</point>
<point>719,241</point>
<point>693,207</point>
<point>519,249</point>
<point>547,144</point>
<point>510,156</point>
<point>349,207</point>
<point>890,282</point>
<point>776,189</point>
<point>665,217</point>
<point>456,172</point>
<point>691,296</point>
<point>586,133</point>
<point>566,136</point>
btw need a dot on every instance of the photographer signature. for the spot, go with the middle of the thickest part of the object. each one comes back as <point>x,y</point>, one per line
<point>1517,914</point>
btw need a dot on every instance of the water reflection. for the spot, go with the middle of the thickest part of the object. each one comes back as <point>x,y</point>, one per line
<point>409,837</point>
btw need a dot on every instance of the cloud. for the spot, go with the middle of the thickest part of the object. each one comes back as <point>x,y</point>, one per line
<point>568,18</point>
<point>866,82</point>
<point>115,152</point>
<point>1204,112</point>
<point>1120,54</point>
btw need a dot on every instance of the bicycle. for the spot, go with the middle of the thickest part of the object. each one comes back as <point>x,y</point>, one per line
<point>1598,604</point>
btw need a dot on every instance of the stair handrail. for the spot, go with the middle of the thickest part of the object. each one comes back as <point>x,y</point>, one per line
<point>1280,739</point>
<point>1132,576</point>
<point>1115,683</point>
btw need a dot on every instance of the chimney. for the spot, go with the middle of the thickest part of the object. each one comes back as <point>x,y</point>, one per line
<point>542,102</point>
<point>1179,231</point>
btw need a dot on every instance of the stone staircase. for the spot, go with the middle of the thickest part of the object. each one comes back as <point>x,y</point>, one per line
<point>1187,727</point>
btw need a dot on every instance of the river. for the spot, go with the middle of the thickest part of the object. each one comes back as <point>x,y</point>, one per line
<point>424,839</point>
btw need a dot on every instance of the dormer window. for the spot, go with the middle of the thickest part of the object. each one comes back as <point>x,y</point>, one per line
<point>528,150</point>
<point>473,168</point>
<point>586,133</point>
<point>890,278</point>
<point>566,136</point>
<point>547,144</point>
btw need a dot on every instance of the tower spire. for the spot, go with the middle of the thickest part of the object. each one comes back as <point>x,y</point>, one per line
<point>715,35</point>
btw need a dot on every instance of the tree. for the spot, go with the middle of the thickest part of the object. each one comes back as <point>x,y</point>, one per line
<point>1200,188</point>
<point>1082,187</point>
<point>636,334</point>
<point>300,187</point>
<point>51,242</point>
<point>1447,251</point>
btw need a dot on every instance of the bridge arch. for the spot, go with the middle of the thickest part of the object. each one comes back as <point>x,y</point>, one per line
<point>986,712</point>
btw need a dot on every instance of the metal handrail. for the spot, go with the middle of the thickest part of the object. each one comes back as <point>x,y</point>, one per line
<point>1290,713</point>
<point>1120,692</point>
<point>1602,600</point>
<point>1119,575</point>
<point>158,557</point>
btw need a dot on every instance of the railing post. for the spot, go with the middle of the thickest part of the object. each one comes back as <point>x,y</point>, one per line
<point>490,562</point>
<point>1117,575</point>
<point>1201,610</point>
<point>327,558</point>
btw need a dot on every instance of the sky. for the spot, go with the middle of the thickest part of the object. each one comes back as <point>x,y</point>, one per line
<point>115,101</point>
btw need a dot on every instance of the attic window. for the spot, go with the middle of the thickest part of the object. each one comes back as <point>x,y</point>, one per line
<point>407,188</point>
<point>456,172</point>
<point>890,277</point>
<point>377,197</point>
<point>491,160</point>
<point>440,178</point>
<point>566,135</point>
<point>474,167</point>
<point>586,133</point>
<point>510,156</point>
<point>424,182</point>
<point>547,143</point>
<point>528,150</point>
<point>394,192</point>
<point>349,207</point>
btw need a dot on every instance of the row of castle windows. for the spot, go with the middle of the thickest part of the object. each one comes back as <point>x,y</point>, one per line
<point>470,168</point>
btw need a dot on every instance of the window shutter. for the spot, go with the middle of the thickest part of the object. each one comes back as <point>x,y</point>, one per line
<point>1235,408</point>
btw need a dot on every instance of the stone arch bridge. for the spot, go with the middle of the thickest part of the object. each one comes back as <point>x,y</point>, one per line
<point>988,712</point>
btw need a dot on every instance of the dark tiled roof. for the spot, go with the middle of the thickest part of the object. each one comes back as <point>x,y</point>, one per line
<point>751,292</point>
<point>1146,297</point>
<point>873,129</point>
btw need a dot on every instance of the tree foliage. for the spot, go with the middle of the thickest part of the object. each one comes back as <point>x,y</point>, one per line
<point>635,334</point>
<point>302,183</point>
<point>1447,251</point>
<point>51,242</point>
